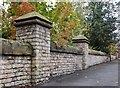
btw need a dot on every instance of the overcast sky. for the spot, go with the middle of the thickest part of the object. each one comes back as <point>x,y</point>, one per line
<point>1,1</point>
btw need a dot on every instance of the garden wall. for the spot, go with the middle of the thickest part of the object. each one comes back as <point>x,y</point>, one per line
<point>65,60</point>
<point>92,59</point>
<point>95,59</point>
<point>31,59</point>
<point>15,63</point>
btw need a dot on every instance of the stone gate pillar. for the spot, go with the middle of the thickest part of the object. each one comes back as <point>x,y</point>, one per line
<point>82,42</point>
<point>35,29</point>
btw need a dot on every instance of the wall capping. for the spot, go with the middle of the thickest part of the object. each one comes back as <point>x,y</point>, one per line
<point>32,15</point>
<point>58,51</point>
<point>66,49</point>
<point>80,41</point>
<point>96,54</point>
<point>32,22</point>
<point>33,59</point>
<point>32,18</point>
<point>11,47</point>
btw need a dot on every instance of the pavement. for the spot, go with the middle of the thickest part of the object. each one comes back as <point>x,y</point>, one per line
<point>105,74</point>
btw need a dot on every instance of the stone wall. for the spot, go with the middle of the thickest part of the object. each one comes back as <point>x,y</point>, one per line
<point>92,59</point>
<point>64,63</point>
<point>15,63</point>
<point>39,39</point>
<point>95,59</point>
<point>31,59</point>
<point>113,57</point>
<point>35,29</point>
<point>65,60</point>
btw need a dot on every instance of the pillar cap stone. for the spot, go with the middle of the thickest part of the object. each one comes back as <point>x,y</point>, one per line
<point>32,18</point>
<point>80,39</point>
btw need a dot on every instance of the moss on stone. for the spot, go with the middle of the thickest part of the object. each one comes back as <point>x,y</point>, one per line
<point>95,52</point>
<point>15,47</point>
<point>66,49</point>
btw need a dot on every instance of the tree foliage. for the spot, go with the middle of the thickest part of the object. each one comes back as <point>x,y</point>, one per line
<point>68,20</point>
<point>63,16</point>
<point>8,29</point>
<point>15,10</point>
<point>101,25</point>
<point>80,16</point>
<point>63,22</point>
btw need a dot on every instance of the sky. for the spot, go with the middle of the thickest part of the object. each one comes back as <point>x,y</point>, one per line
<point>1,1</point>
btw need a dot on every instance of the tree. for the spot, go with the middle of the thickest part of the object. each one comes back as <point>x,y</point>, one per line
<point>101,25</point>
<point>62,15</point>
<point>8,29</point>
<point>80,11</point>
<point>68,21</point>
<point>15,10</point>
<point>63,23</point>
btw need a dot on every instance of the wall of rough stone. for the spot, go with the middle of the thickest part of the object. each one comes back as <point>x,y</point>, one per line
<point>39,38</point>
<point>35,29</point>
<point>35,60</point>
<point>15,63</point>
<point>113,57</point>
<point>91,60</point>
<point>15,70</point>
<point>64,63</point>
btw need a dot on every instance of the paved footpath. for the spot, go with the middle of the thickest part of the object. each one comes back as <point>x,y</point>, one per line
<point>105,74</point>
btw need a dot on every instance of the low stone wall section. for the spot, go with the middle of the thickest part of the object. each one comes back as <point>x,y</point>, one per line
<point>35,60</point>
<point>15,63</point>
<point>91,60</point>
<point>64,63</point>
